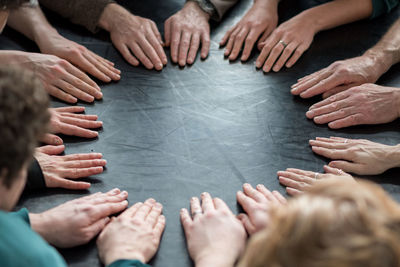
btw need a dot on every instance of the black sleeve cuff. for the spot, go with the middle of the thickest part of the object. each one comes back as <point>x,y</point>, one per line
<point>35,179</point>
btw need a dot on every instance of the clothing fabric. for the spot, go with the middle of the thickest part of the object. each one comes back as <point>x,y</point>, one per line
<point>216,8</point>
<point>35,178</point>
<point>83,12</point>
<point>21,247</point>
<point>383,6</point>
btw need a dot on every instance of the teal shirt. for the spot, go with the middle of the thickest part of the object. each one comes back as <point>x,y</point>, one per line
<point>383,6</point>
<point>22,247</point>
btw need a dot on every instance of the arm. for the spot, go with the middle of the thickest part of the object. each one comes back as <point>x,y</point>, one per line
<point>293,37</point>
<point>86,13</point>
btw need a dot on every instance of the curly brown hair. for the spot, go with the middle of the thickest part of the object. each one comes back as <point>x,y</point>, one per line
<point>336,223</point>
<point>23,119</point>
<point>12,4</point>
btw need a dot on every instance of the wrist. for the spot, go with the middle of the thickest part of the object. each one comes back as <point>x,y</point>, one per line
<point>110,13</point>
<point>266,3</point>
<point>312,20</point>
<point>382,60</point>
<point>215,262</point>
<point>122,254</point>
<point>393,156</point>
<point>397,101</point>
<point>39,224</point>
<point>196,8</point>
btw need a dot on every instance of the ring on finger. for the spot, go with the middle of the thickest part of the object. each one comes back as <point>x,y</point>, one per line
<point>345,141</point>
<point>316,175</point>
<point>283,43</point>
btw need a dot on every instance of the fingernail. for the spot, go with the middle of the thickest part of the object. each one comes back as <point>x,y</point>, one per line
<point>246,185</point>
<point>124,193</point>
<point>58,141</point>
<point>115,191</point>
<point>193,199</point>
<point>259,186</point>
<point>159,65</point>
<point>125,202</point>
<point>294,89</point>
<point>310,113</point>
<point>158,205</point>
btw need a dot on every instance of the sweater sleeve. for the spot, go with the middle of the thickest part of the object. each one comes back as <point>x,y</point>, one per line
<point>83,12</point>
<point>35,179</point>
<point>216,8</point>
<point>23,214</point>
<point>128,263</point>
<point>383,6</point>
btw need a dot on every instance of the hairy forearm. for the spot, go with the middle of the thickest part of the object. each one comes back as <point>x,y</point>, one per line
<point>12,56</point>
<point>31,22</point>
<point>336,13</point>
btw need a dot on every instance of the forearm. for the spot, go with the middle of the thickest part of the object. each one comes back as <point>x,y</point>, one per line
<point>12,57</point>
<point>336,13</point>
<point>31,22</point>
<point>111,13</point>
<point>393,156</point>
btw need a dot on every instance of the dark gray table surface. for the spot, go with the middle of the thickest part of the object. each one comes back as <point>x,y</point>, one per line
<point>209,127</point>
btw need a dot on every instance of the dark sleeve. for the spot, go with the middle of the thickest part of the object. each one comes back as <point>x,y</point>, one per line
<point>128,263</point>
<point>383,6</point>
<point>35,178</point>
<point>83,12</point>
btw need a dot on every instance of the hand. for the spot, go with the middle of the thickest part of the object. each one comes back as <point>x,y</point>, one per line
<point>215,237</point>
<point>54,44</point>
<point>260,20</point>
<point>297,181</point>
<point>184,31</point>
<point>338,77</point>
<point>357,156</point>
<point>365,104</point>
<point>61,79</point>
<point>257,204</point>
<point>65,121</point>
<point>133,34</point>
<point>135,234</point>
<point>58,170</point>
<point>286,44</point>
<point>76,222</point>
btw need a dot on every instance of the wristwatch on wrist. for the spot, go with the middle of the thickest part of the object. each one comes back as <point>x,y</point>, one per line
<point>206,6</point>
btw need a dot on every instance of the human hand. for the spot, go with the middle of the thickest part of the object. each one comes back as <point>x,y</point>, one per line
<point>134,35</point>
<point>357,155</point>
<point>135,234</point>
<point>65,121</point>
<point>297,181</point>
<point>260,20</point>
<point>365,104</point>
<point>87,61</point>
<point>76,222</point>
<point>257,204</point>
<point>184,31</point>
<point>286,44</point>
<point>58,170</point>
<point>338,77</point>
<point>215,237</point>
<point>61,79</point>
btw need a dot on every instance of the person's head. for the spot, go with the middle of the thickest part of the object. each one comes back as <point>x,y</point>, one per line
<point>336,223</point>
<point>23,120</point>
<point>7,5</point>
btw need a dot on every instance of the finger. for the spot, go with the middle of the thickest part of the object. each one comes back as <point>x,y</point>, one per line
<point>85,163</point>
<point>281,199</point>
<point>81,79</point>
<point>51,150</point>
<point>113,196</point>
<point>194,47</point>
<point>335,171</point>
<point>335,115</point>
<point>60,94</point>
<point>145,209</point>
<point>97,227</point>
<point>206,202</point>
<point>329,109</point>
<point>273,56</point>
<point>238,44</point>
<point>293,183</point>
<point>298,175</point>
<point>249,44</point>
<point>267,194</point>
<point>167,32</point>
<point>263,38</point>
<point>330,100</point>
<point>347,166</point>
<point>221,205</point>
<point>103,210</point>
<point>311,80</point>
<point>71,89</point>
<point>81,116</point>
<point>231,41</point>
<point>251,192</point>
<point>329,145</point>
<point>331,153</point>
<point>88,124</point>
<point>246,202</point>
<point>130,212</point>
<point>250,228</point>
<point>184,48</point>
<point>103,69</point>
<point>68,184</point>
<point>263,56</point>
<point>124,50</point>
<point>338,89</point>
<point>73,109</point>
<point>195,207</point>
<point>154,38</point>
<point>293,192</point>
<point>145,53</point>
<point>159,227</point>
<point>352,120</point>
<point>82,156</point>
<point>287,52</point>
<point>110,65</point>
<point>322,86</point>
<point>152,217</point>
<point>301,172</point>
<point>85,63</point>
<point>310,76</point>
<point>75,173</point>
<point>175,43</point>
<point>227,36</point>
<point>186,219</point>
<point>205,44</point>
<point>296,55</point>
<point>73,130</point>
<point>51,139</point>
